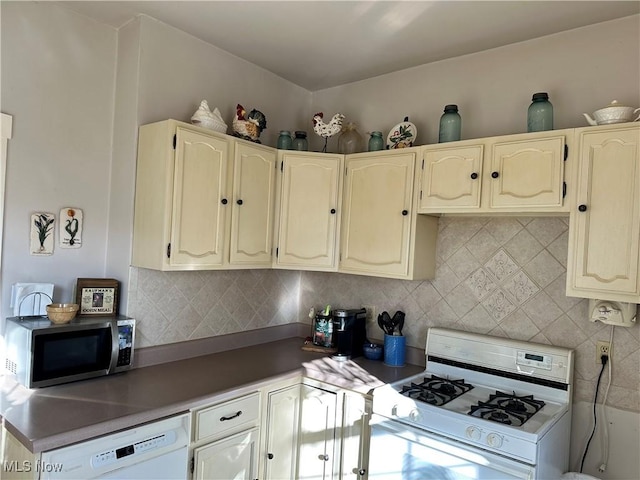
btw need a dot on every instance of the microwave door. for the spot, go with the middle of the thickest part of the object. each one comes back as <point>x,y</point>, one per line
<point>71,354</point>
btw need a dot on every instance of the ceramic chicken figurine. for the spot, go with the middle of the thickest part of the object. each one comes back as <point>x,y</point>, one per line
<point>326,130</point>
<point>248,126</point>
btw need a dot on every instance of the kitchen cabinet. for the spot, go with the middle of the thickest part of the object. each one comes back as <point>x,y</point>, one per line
<point>382,234</point>
<point>17,462</point>
<point>355,436</point>
<point>308,206</point>
<point>225,439</point>
<point>522,173</point>
<point>319,452</point>
<point>604,228</point>
<point>281,422</point>
<point>203,200</point>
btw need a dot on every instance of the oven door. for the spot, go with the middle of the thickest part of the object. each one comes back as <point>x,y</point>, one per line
<point>401,452</point>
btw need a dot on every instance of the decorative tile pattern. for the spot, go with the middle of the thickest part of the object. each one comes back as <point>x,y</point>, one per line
<point>502,276</point>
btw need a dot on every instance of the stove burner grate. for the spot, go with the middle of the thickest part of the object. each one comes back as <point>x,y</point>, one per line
<point>509,409</point>
<point>436,390</point>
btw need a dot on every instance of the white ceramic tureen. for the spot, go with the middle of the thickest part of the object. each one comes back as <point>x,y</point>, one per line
<point>613,113</point>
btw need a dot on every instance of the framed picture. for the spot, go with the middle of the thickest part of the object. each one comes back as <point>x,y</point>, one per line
<point>97,296</point>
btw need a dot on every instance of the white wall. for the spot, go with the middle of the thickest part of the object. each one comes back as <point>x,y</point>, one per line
<point>58,83</point>
<point>582,70</point>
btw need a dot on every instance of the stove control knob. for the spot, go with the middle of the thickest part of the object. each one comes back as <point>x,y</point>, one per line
<point>473,433</point>
<point>415,415</point>
<point>494,440</point>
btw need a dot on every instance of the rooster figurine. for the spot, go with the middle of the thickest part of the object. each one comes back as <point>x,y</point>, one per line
<point>249,126</point>
<point>327,130</point>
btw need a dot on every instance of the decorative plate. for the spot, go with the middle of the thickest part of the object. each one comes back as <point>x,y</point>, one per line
<point>403,135</point>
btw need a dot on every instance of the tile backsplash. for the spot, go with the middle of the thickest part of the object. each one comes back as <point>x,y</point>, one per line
<point>501,276</point>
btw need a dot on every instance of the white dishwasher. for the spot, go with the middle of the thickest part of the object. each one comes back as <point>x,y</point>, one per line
<point>157,450</point>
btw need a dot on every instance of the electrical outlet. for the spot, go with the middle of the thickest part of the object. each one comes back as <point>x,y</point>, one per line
<point>372,315</point>
<point>602,348</point>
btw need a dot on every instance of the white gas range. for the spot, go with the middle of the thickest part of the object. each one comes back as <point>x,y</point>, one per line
<point>484,408</point>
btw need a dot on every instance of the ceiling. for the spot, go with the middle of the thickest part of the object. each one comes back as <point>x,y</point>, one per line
<point>321,44</point>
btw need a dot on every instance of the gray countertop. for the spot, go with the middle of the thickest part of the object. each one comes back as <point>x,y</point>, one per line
<point>48,418</point>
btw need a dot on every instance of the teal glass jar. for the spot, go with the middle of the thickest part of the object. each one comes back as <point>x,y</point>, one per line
<point>376,142</point>
<point>300,141</point>
<point>540,113</point>
<point>284,140</point>
<point>450,125</point>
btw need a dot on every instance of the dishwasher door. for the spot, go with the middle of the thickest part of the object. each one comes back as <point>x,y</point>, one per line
<point>157,450</point>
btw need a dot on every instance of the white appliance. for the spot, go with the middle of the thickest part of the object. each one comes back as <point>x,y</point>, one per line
<point>484,408</point>
<point>157,450</point>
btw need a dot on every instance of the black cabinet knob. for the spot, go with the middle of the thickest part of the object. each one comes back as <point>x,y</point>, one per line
<point>239,201</point>
<point>224,201</point>
<point>474,175</point>
<point>405,212</point>
<point>270,456</point>
<point>361,472</point>
<point>582,208</point>
<point>495,174</point>
<point>333,211</point>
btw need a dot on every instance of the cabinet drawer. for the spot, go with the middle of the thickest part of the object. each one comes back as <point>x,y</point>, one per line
<point>233,415</point>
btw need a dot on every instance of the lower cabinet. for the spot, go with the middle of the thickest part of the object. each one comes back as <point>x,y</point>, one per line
<point>234,457</point>
<point>226,439</point>
<point>334,433</point>
<point>280,424</point>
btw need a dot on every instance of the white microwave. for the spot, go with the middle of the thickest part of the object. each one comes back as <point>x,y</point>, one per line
<point>40,353</point>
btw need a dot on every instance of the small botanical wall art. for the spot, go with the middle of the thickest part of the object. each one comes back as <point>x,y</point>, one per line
<point>42,231</point>
<point>70,227</point>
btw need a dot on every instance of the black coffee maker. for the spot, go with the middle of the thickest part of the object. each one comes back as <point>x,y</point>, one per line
<point>349,332</point>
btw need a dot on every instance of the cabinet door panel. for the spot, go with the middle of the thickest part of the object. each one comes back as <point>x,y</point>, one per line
<point>606,241</point>
<point>198,230</point>
<point>529,173</point>
<point>252,206</point>
<point>317,434</point>
<point>308,228</point>
<point>233,458</point>
<point>283,412</point>
<point>448,180</point>
<point>377,214</point>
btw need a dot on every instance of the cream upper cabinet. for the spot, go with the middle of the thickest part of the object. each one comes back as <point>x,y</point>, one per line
<point>204,200</point>
<point>604,232</point>
<point>310,189</point>
<point>513,174</point>
<point>252,210</point>
<point>382,235</point>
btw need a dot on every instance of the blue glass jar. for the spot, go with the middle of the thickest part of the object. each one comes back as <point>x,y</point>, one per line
<point>376,142</point>
<point>540,113</point>
<point>300,141</point>
<point>284,140</point>
<point>450,125</point>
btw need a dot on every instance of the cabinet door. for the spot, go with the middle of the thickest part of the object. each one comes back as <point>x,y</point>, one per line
<point>355,437</point>
<point>451,179</point>
<point>377,213</point>
<point>317,434</point>
<point>604,244</point>
<point>527,173</point>
<point>252,209</point>
<point>200,200</point>
<point>283,421</point>
<point>309,211</point>
<point>232,458</point>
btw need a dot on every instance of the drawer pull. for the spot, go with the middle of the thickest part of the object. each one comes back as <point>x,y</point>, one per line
<point>270,456</point>
<point>324,457</point>
<point>237,414</point>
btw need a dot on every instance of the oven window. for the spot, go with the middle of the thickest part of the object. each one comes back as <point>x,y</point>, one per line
<point>402,453</point>
<point>71,353</point>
